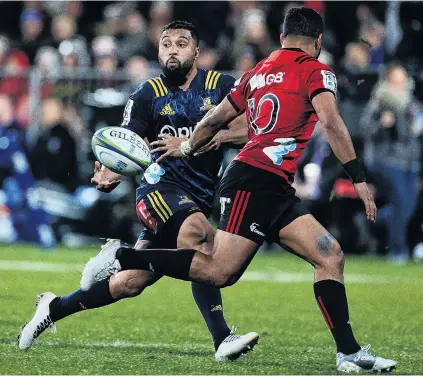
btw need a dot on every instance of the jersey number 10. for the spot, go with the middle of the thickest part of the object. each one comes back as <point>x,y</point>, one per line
<point>285,145</point>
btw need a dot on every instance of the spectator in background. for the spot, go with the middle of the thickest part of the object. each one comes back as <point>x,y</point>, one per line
<point>31,24</point>
<point>391,125</point>
<point>135,40</point>
<point>105,59</point>
<point>252,33</point>
<point>64,33</point>
<point>208,58</point>
<point>137,70</point>
<point>54,157</point>
<point>4,48</point>
<point>15,82</point>
<point>161,13</point>
<point>373,32</point>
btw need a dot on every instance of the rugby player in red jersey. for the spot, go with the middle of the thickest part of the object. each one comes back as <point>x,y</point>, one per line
<point>283,96</point>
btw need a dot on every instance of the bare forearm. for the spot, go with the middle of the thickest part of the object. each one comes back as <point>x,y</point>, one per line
<point>339,140</point>
<point>234,136</point>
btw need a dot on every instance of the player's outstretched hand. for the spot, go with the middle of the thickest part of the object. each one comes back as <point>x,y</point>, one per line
<point>104,179</point>
<point>168,145</point>
<point>214,144</point>
<point>365,195</point>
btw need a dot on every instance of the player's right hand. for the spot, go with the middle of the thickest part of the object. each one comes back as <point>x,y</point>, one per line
<point>365,195</point>
<point>104,179</point>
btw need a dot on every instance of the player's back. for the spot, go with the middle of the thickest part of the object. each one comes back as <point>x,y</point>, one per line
<point>277,97</point>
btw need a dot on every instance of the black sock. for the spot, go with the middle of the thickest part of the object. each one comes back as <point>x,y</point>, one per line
<point>332,301</point>
<point>171,262</point>
<point>97,296</point>
<point>209,302</point>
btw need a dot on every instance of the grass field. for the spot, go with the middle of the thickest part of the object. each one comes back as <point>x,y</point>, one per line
<point>161,332</point>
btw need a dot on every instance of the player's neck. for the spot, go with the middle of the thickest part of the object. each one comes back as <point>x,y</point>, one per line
<point>191,75</point>
<point>301,44</point>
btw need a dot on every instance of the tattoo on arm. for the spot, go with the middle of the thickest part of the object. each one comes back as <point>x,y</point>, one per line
<point>324,244</point>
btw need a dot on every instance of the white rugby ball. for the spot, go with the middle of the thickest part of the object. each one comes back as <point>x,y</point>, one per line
<point>121,150</point>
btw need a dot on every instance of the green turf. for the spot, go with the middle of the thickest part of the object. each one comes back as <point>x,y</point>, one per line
<point>161,332</point>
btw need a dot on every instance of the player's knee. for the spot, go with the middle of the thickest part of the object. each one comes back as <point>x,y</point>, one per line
<point>128,284</point>
<point>225,278</point>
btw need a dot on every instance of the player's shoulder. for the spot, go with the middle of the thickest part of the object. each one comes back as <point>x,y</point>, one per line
<point>215,79</point>
<point>310,64</point>
<point>150,89</point>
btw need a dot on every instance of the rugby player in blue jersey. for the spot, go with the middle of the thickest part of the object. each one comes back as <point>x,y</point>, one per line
<point>174,198</point>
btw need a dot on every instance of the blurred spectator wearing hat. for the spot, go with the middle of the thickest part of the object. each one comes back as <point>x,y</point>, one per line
<point>31,25</point>
<point>392,123</point>
<point>53,157</point>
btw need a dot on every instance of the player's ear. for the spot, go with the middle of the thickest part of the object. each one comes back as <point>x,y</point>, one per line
<point>318,42</point>
<point>281,38</point>
<point>197,52</point>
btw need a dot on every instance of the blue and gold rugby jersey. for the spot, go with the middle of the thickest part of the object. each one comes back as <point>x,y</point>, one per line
<point>159,107</point>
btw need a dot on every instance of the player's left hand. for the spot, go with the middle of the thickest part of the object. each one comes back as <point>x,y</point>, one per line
<point>168,145</point>
<point>215,143</point>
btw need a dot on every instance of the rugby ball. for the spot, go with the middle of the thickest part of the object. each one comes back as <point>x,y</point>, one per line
<point>121,150</point>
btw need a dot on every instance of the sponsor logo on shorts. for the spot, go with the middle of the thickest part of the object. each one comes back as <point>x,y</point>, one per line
<point>254,228</point>
<point>185,200</point>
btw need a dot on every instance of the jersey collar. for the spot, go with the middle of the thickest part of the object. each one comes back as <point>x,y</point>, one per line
<point>294,49</point>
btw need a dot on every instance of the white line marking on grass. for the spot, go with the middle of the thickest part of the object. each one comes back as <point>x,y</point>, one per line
<point>283,277</point>
<point>39,266</point>
<point>124,344</point>
<point>249,276</point>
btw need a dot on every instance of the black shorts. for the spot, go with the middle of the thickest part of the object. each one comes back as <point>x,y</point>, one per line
<point>256,204</point>
<point>162,208</point>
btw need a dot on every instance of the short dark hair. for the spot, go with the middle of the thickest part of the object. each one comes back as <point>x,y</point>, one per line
<point>185,25</point>
<point>303,22</point>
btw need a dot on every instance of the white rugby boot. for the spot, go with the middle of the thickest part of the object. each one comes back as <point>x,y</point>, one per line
<point>233,346</point>
<point>103,265</point>
<point>364,361</point>
<point>39,323</point>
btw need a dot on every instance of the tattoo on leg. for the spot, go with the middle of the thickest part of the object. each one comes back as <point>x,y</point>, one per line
<point>324,244</point>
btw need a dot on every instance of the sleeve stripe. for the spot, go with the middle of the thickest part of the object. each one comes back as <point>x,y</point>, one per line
<point>231,101</point>
<point>210,77</point>
<point>214,85</point>
<point>156,80</point>
<point>207,79</point>
<point>159,79</point>
<point>154,87</point>
<point>318,91</point>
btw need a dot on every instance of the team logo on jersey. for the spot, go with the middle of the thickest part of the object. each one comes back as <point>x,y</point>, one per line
<point>207,104</point>
<point>153,173</point>
<point>260,80</point>
<point>329,80</point>
<point>167,110</point>
<point>185,200</point>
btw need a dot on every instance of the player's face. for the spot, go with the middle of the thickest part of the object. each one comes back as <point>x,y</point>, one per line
<point>177,54</point>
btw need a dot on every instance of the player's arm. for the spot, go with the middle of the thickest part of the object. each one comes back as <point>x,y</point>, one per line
<point>236,133</point>
<point>340,142</point>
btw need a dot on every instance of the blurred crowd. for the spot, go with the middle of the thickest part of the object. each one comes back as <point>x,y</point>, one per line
<point>67,68</point>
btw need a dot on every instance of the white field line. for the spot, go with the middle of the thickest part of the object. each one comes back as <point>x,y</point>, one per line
<point>252,276</point>
<point>126,344</point>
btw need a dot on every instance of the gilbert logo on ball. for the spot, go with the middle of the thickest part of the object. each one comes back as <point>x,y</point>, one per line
<point>121,150</point>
